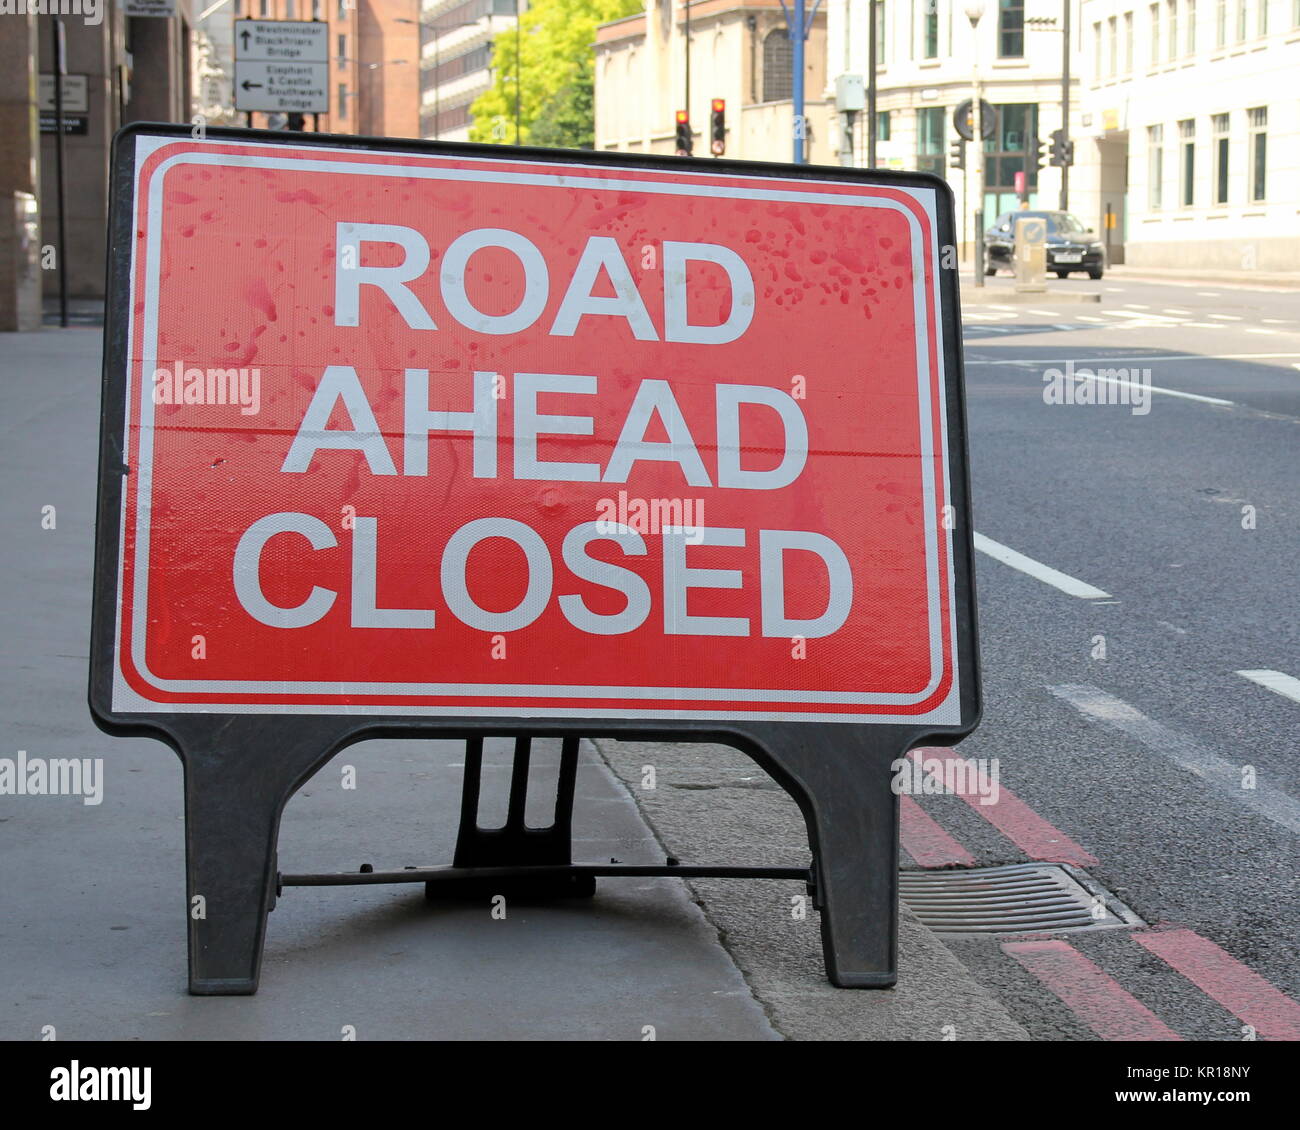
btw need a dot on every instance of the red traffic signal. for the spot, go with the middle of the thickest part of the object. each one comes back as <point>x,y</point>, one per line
<point>685,142</point>
<point>718,126</point>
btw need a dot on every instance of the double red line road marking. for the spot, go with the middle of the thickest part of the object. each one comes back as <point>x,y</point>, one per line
<point>1096,998</point>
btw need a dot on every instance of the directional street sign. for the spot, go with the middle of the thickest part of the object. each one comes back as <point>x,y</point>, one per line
<point>76,94</point>
<point>282,66</point>
<point>418,439</point>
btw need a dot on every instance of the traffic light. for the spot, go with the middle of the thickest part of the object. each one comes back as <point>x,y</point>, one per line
<point>957,154</point>
<point>718,127</point>
<point>684,141</point>
<point>1062,149</point>
<point>1037,152</point>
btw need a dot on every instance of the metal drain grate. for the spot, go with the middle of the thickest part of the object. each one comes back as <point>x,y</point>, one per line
<point>1021,898</point>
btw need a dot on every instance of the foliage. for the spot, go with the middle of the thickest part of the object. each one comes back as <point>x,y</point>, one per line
<point>553,52</point>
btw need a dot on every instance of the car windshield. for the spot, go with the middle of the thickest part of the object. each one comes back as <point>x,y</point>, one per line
<point>1057,222</point>
<point>1063,222</point>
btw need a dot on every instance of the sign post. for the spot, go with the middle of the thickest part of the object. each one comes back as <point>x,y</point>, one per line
<point>406,440</point>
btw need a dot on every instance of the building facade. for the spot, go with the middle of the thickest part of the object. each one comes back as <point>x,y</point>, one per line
<point>737,51</point>
<point>456,60</point>
<point>120,69</point>
<point>930,58</point>
<point>1192,128</point>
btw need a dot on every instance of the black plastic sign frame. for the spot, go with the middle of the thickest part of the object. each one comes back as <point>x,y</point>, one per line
<point>241,767</point>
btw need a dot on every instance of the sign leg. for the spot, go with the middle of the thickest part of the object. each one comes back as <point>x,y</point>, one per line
<point>230,836</point>
<point>841,780</point>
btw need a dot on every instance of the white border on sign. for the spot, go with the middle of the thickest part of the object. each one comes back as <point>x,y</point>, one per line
<point>125,698</point>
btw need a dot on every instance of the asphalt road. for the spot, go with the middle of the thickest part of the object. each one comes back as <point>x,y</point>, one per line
<point>1153,509</point>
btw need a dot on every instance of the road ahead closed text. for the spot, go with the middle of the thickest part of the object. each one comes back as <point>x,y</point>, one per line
<point>494,438</point>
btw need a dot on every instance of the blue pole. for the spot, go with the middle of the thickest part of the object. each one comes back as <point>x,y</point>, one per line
<point>796,34</point>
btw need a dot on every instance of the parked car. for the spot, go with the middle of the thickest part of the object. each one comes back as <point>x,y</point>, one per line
<point>1070,245</point>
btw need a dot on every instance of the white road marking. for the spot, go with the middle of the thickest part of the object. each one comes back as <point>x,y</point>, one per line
<point>1090,318</point>
<point>1136,306</point>
<point>1257,330</point>
<point>1216,401</point>
<point>1288,686</point>
<point>1207,294</point>
<point>1042,313</point>
<point>1159,357</point>
<point>1115,289</point>
<point>1207,325</point>
<point>1037,569</point>
<point>1275,321</point>
<point>1151,319</point>
<point>1171,310</point>
<point>1166,391</point>
<point>1183,751</point>
<point>1227,317</point>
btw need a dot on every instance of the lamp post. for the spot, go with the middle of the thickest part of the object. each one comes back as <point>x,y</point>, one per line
<point>1048,23</point>
<point>975,12</point>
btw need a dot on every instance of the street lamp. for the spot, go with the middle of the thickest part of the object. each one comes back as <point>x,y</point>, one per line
<point>975,170</point>
<point>1048,23</point>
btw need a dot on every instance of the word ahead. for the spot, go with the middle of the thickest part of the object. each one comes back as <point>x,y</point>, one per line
<point>480,379</point>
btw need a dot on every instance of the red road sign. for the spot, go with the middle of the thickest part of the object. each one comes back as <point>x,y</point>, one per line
<point>447,435</point>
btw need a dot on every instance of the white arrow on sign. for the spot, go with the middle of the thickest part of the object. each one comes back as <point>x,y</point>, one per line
<point>286,87</point>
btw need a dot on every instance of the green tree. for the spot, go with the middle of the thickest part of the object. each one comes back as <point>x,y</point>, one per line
<point>553,52</point>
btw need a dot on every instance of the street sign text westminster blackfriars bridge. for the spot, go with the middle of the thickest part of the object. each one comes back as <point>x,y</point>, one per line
<point>405,439</point>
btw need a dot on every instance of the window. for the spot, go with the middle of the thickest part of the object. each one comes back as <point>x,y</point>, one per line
<point>1128,43</point>
<point>1154,11</point>
<point>1241,20</point>
<point>778,66</point>
<point>1220,124</point>
<point>930,122</point>
<point>288,9</point>
<point>881,42</point>
<point>1187,166</point>
<point>343,100</point>
<point>1011,29</point>
<point>932,30</point>
<point>1258,118</point>
<point>1220,23</point>
<point>1112,46</point>
<point>1261,18</point>
<point>264,6</point>
<point>882,125</point>
<point>315,9</point>
<point>1155,166</point>
<point>1096,50</point>
<point>1191,27</point>
<point>1005,152</point>
<point>343,47</point>
<point>1171,28</point>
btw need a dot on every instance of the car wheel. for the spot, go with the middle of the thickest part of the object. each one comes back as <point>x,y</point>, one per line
<point>1061,274</point>
<point>990,270</point>
<point>1095,272</point>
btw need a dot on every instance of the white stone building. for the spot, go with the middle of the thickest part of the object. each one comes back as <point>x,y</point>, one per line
<point>928,59</point>
<point>1191,124</point>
